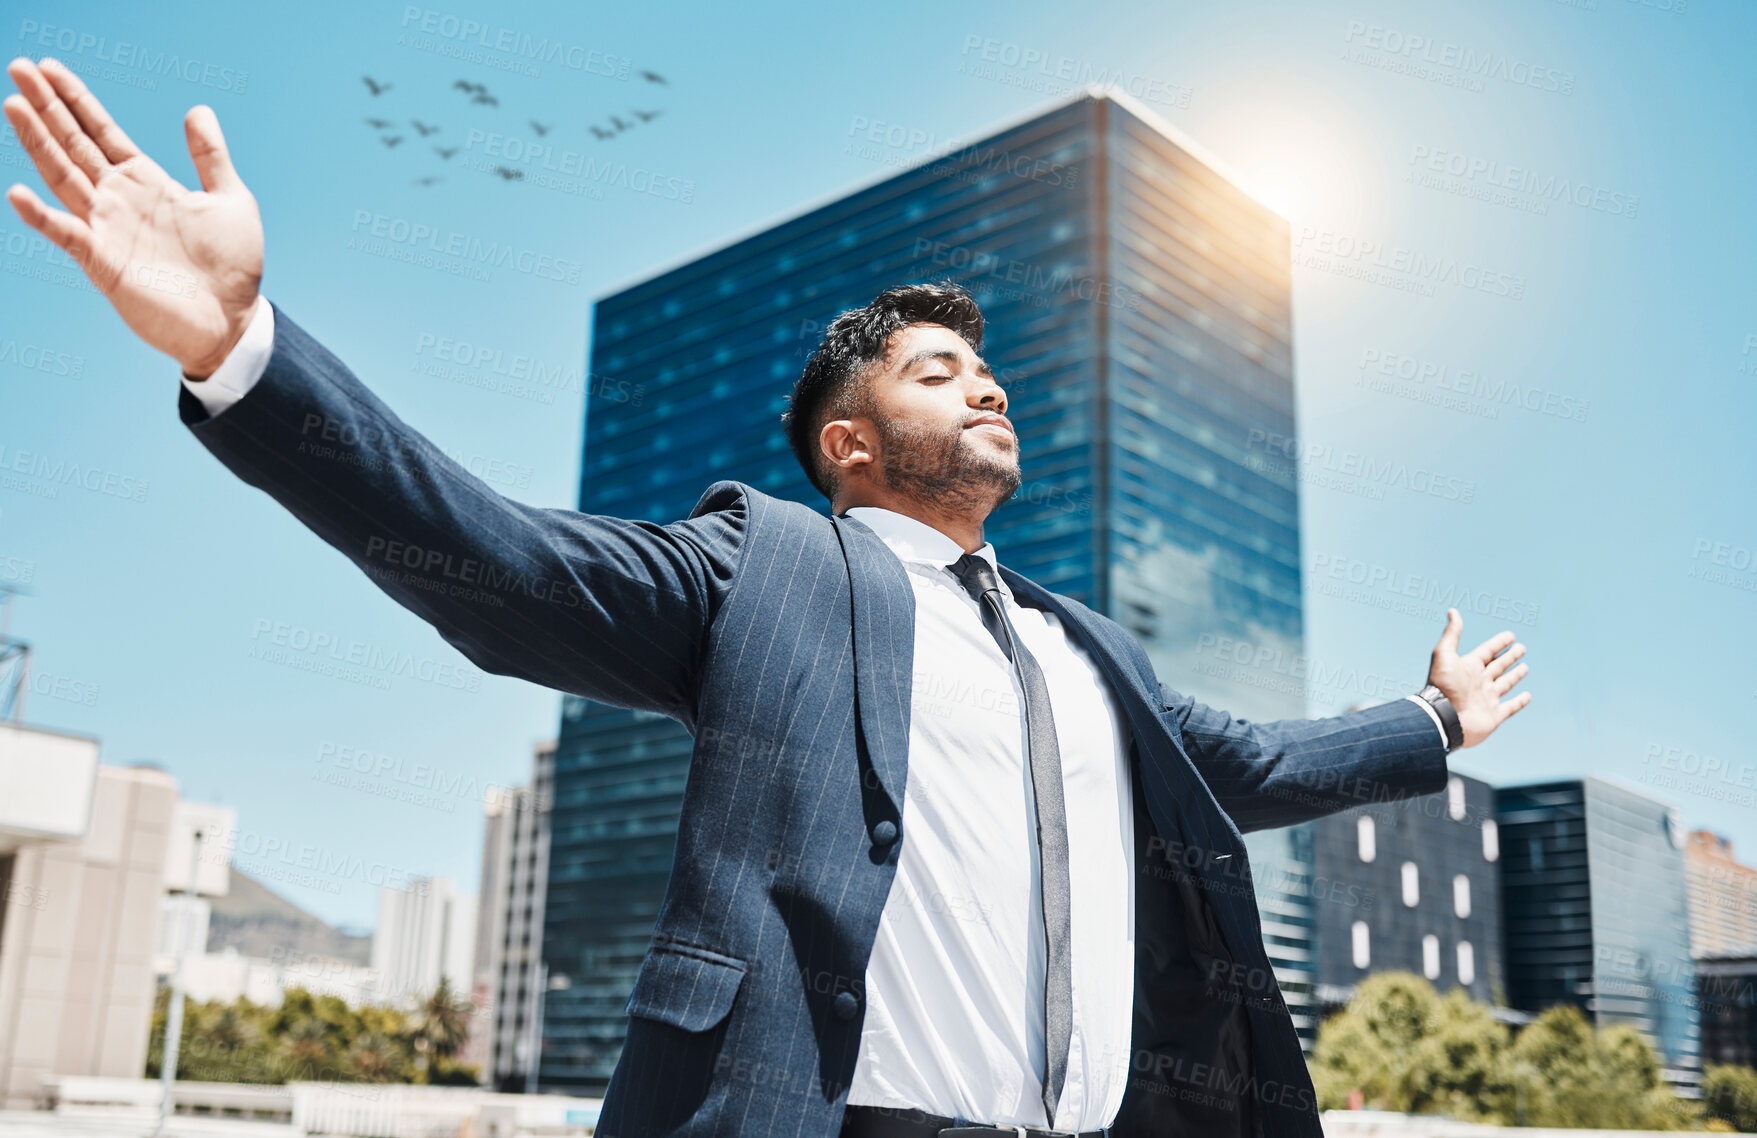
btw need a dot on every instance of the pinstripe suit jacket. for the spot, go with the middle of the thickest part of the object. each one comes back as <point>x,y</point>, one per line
<point>784,640</point>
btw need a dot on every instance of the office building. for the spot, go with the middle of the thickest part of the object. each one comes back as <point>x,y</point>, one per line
<point>424,933</point>
<point>1593,907</point>
<point>1139,314</point>
<point>82,857</point>
<point>1726,1008</point>
<point>509,928</point>
<point>1722,897</point>
<point>1412,886</point>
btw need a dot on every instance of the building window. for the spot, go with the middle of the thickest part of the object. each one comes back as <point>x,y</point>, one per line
<point>1363,950</point>
<point>1466,963</point>
<point>1411,884</point>
<point>1455,798</point>
<point>1430,956</point>
<point>1363,828</point>
<point>1461,895</point>
<point>1491,840</point>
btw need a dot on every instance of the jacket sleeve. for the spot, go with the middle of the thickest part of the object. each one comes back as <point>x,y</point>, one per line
<point>1291,770</point>
<point>614,610</point>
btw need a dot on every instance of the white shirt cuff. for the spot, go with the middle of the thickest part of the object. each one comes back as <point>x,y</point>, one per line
<point>1432,714</point>
<point>242,367</point>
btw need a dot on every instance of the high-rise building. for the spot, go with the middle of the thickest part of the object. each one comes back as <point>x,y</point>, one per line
<point>1411,886</point>
<point>424,933</point>
<point>1592,896</point>
<point>1138,307</point>
<point>1722,897</point>
<point>509,928</point>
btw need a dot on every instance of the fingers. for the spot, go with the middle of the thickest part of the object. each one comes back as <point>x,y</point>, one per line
<point>207,148</point>
<point>92,117</point>
<point>64,128</point>
<point>65,180</point>
<point>70,233</point>
<point>1506,683</point>
<point>1491,647</point>
<point>1449,635</point>
<point>1513,706</point>
<point>1504,661</point>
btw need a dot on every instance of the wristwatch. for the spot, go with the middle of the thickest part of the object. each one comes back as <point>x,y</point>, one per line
<point>1447,713</point>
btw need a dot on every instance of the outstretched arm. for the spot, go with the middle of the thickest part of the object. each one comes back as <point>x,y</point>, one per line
<point>609,609</point>
<point>1291,770</point>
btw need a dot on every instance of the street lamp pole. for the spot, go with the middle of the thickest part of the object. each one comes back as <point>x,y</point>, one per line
<point>174,1011</point>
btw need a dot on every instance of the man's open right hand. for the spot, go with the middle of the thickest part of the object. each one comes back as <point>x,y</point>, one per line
<point>181,268</point>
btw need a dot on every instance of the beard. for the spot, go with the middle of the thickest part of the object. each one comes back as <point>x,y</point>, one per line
<point>945,467</point>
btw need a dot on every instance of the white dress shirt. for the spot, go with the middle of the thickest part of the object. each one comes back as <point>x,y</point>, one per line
<point>954,988</point>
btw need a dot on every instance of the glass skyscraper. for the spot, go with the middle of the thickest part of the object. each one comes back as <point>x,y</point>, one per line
<point>1593,908</point>
<point>1139,316</point>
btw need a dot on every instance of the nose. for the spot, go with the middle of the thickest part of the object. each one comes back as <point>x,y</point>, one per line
<point>988,395</point>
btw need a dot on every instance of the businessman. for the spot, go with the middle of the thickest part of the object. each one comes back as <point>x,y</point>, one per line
<point>887,918</point>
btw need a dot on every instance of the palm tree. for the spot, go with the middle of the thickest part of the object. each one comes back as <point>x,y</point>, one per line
<point>374,1058</point>
<point>443,1022</point>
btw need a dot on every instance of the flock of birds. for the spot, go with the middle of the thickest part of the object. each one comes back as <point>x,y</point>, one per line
<point>392,135</point>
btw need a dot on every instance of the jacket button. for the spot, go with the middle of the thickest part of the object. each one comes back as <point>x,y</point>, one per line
<point>847,1004</point>
<point>885,832</point>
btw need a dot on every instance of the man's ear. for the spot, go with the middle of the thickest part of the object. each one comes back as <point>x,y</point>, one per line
<point>848,443</point>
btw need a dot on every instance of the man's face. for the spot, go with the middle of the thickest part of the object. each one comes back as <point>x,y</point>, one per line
<point>940,422</point>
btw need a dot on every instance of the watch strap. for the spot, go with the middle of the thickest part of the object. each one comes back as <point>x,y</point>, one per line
<point>1447,713</point>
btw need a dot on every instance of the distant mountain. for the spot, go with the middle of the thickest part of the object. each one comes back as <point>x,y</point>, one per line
<point>257,921</point>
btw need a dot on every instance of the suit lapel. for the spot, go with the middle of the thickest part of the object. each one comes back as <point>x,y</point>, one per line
<point>884,651</point>
<point>1170,779</point>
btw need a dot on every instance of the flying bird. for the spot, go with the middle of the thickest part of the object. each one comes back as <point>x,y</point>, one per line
<point>378,124</point>
<point>540,128</point>
<point>600,132</point>
<point>486,98</point>
<point>426,181</point>
<point>652,78</point>
<point>647,116</point>
<point>445,152</point>
<point>392,141</point>
<point>376,87</point>
<point>510,175</point>
<point>619,124</point>
<point>424,128</point>
<point>468,87</point>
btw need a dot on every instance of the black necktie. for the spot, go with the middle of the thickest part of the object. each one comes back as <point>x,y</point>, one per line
<point>979,579</point>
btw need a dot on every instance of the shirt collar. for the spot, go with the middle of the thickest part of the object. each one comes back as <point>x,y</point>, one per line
<point>913,540</point>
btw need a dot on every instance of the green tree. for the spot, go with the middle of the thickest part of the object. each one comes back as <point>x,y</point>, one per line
<point>1405,1048</point>
<point>1569,1075</point>
<point>1730,1094</point>
<point>442,1025</point>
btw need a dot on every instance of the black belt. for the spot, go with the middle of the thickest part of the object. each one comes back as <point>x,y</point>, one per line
<point>901,1122</point>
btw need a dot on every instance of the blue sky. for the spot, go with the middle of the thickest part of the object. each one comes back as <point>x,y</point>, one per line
<point>1587,367</point>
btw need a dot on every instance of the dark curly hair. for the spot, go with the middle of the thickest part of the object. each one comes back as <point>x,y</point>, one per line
<point>832,384</point>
